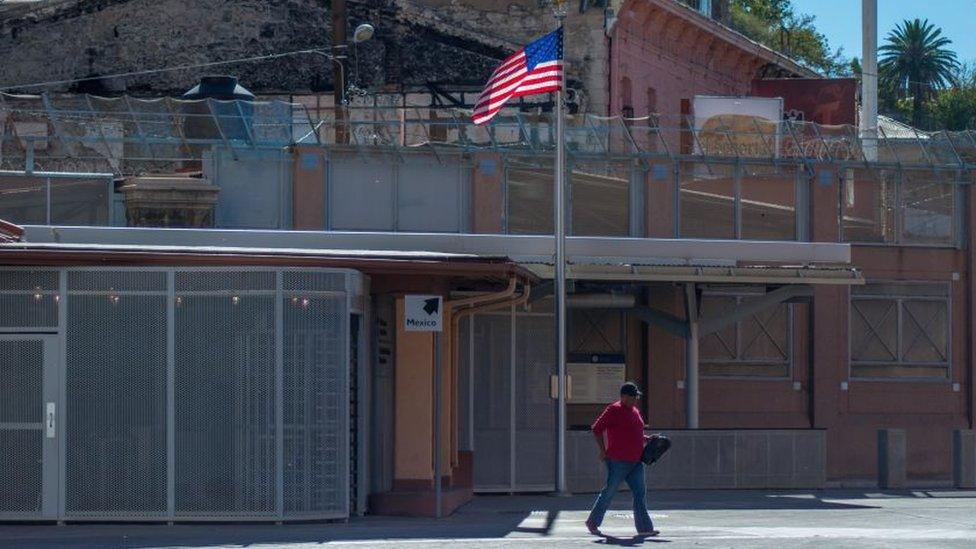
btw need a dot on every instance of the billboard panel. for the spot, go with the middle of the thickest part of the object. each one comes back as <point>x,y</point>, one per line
<point>737,126</point>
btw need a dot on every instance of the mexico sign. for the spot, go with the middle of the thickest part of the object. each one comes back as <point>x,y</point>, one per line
<point>423,313</point>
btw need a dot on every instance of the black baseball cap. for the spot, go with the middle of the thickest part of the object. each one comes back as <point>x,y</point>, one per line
<point>630,389</point>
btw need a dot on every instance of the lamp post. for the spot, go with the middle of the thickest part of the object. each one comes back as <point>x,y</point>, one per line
<point>338,56</point>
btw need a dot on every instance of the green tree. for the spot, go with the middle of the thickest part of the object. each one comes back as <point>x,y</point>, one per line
<point>953,108</point>
<point>776,24</point>
<point>915,62</point>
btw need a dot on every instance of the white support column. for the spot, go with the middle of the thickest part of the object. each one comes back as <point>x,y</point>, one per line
<point>869,79</point>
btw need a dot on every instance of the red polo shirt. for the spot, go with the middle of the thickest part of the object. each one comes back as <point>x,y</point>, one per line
<point>625,431</point>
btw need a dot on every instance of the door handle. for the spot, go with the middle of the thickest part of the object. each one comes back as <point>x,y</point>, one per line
<point>50,422</point>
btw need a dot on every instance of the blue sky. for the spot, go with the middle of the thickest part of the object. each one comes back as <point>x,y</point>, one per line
<point>840,21</point>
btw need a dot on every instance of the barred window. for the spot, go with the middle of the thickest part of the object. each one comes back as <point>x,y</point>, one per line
<point>900,330</point>
<point>757,346</point>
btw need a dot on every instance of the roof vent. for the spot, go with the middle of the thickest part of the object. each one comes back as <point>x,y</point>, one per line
<point>219,87</point>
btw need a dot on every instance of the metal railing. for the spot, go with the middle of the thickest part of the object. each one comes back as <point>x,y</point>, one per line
<point>648,137</point>
<point>127,135</point>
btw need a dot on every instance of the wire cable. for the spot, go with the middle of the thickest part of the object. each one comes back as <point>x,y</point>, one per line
<point>318,51</point>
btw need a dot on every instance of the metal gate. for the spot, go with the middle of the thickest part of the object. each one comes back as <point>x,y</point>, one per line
<point>175,394</point>
<point>513,438</point>
<point>28,426</point>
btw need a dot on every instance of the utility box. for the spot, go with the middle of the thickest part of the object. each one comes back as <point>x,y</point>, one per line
<point>964,458</point>
<point>891,458</point>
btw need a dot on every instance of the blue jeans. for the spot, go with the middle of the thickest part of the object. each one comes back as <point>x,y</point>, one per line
<point>617,472</point>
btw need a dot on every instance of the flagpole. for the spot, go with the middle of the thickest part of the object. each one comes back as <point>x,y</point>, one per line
<point>559,207</point>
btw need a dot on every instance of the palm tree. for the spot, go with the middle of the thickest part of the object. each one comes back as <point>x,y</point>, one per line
<point>915,62</point>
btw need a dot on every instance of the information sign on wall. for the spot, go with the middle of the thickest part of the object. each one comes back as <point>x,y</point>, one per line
<point>423,313</point>
<point>595,383</point>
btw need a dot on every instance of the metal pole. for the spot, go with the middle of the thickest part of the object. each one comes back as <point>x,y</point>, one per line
<point>437,424</point>
<point>560,282</point>
<point>691,358</point>
<point>338,75</point>
<point>869,79</point>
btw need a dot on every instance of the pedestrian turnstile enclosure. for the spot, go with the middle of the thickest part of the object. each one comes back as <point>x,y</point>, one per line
<point>508,360</point>
<point>176,394</point>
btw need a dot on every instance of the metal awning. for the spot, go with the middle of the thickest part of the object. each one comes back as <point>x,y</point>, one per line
<point>366,261</point>
<point>714,275</point>
<point>590,258</point>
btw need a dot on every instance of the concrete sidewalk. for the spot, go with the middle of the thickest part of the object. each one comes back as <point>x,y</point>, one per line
<point>942,518</point>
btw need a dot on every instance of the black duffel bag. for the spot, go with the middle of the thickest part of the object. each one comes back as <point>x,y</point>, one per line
<point>656,447</point>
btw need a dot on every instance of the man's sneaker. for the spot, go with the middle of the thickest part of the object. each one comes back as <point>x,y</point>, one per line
<point>649,534</point>
<point>593,528</point>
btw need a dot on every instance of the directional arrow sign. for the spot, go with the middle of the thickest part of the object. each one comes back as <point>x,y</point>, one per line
<point>423,313</point>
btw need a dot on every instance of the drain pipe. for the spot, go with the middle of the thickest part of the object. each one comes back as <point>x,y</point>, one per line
<point>468,307</point>
<point>485,298</point>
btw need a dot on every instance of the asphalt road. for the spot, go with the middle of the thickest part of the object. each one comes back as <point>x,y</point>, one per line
<point>920,518</point>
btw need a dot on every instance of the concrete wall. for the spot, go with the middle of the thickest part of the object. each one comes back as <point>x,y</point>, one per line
<point>413,447</point>
<point>715,459</point>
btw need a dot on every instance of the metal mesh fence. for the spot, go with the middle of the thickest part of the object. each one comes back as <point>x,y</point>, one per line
<point>225,394</point>
<point>21,426</point>
<point>514,418</point>
<point>535,436</point>
<point>314,409</point>
<point>188,394</point>
<point>493,411</point>
<point>115,461</point>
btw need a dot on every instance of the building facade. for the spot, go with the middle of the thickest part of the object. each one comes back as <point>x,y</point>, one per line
<point>780,297</point>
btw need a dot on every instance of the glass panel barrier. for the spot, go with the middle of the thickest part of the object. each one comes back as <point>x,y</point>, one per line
<point>600,199</point>
<point>868,205</point>
<point>927,206</point>
<point>530,208</point>
<point>23,200</point>
<point>768,202</point>
<point>707,207</point>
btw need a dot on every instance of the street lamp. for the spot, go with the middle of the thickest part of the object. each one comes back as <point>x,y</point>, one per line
<point>338,56</point>
<point>363,33</point>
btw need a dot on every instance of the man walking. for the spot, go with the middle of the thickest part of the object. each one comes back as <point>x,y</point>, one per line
<point>625,439</point>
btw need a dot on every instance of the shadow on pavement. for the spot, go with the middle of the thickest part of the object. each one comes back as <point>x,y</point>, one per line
<point>629,541</point>
<point>702,500</point>
<point>485,518</point>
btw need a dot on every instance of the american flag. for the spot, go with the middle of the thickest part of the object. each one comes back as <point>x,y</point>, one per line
<point>534,69</point>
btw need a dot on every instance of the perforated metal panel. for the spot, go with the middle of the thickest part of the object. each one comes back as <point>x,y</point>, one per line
<point>535,412</point>
<point>117,281</point>
<point>493,405</point>
<point>28,299</point>
<point>315,404</point>
<point>314,281</point>
<point>225,403</point>
<point>21,425</point>
<point>115,384</point>
<point>514,417</point>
